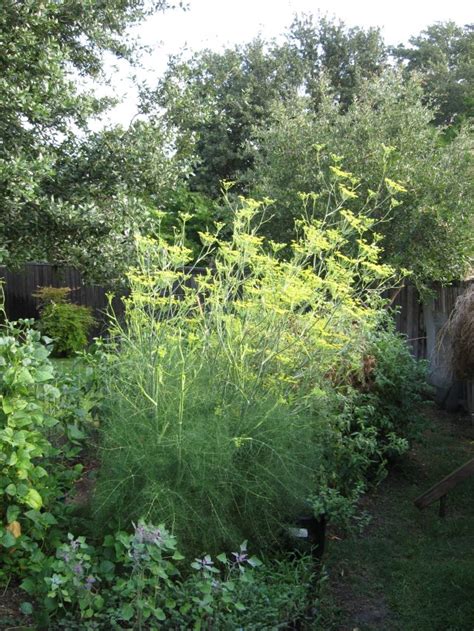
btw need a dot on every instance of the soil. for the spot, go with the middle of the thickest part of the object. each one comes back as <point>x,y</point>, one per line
<point>11,618</point>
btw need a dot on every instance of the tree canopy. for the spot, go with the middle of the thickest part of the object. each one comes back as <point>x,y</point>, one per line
<point>47,48</point>
<point>276,117</point>
<point>443,56</point>
<point>214,100</point>
<point>385,135</point>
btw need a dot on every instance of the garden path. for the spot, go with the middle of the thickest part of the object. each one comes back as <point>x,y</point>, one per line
<point>410,570</point>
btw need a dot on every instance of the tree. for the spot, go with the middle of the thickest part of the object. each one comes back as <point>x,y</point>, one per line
<point>444,56</point>
<point>386,135</point>
<point>214,100</point>
<point>46,46</point>
<point>332,54</point>
<point>107,187</point>
<point>104,188</point>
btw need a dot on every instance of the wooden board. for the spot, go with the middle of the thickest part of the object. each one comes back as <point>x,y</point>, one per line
<point>445,485</point>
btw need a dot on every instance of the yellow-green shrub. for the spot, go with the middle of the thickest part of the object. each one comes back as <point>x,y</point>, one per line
<point>67,324</point>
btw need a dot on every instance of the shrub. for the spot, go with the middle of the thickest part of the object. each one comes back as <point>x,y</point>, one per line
<point>397,389</point>
<point>28,394</point>
<point>219,415</point>
<point>66,323</point>
<point>42,421</point>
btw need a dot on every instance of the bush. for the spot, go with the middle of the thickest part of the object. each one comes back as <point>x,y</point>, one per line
<point>219,414</point>
<point>43,421</point>
<point>397,389</point>
<point>67,324</point>
<point>29,490</point>
<point>378,415</point>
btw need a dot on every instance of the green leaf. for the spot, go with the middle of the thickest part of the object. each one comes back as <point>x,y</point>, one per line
<point>7,540</point>
<point>34,515</point>
<point>159,614</point>
<point>51,391</point>
<point>34,499</point>
<point>8,405</point>
<point>48,519</point>
<point>126,612</point>
<point>29,585</point>
<point>254,562</point>
<point>44,374</point>
<point>23,376</point>
<point>12,513</point>
<point>26,608</point>
<point>106,567</point>
<point>10,489</point>
<point>98,601</point>
<point>74,433</point>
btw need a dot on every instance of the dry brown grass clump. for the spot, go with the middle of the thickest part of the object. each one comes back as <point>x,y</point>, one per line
<point>460,330</point>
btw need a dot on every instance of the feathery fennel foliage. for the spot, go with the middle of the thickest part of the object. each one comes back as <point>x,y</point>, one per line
<point>220,418</point>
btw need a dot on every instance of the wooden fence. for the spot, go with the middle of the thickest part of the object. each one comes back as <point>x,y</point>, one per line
<point>413,317</point>
<point>409,319</point>
<point>422,323</point>
<point>20,285</point>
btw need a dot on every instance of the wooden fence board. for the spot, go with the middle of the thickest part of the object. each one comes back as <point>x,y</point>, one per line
<point>439,490</point>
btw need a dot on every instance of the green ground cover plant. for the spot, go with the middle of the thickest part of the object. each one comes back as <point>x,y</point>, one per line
<point>42,422</point>
<point>140,580</point>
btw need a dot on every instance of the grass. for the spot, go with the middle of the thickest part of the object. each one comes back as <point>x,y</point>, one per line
<point>410,570</point>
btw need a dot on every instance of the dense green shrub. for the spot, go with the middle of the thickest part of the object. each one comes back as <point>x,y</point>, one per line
<point>396,389</point>
<point>67,324</point>
<point>32,474</point>
<point>378,414</point>
<point>220,417</point>
<point>25,387</point>
<point>386,133</point>
<point>44,419</point>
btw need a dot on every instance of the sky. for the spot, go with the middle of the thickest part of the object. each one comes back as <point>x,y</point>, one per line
<point>218,23</point>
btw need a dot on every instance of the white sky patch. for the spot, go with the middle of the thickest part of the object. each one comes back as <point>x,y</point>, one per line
<point>218,23</point>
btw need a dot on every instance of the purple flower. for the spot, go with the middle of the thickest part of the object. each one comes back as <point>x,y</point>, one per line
<point>64,555</point>
<point>205,563</point>
<point>240,557</point>
<point>148,534</point>
<point>78,569</point>
<point>90,580</point>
